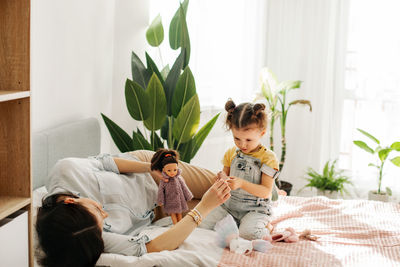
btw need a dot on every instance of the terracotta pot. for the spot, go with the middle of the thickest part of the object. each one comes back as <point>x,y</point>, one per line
<point>328,194</point>
<point>373,195</point>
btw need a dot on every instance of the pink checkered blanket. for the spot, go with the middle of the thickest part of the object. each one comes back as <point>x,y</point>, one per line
<point>351,233</point>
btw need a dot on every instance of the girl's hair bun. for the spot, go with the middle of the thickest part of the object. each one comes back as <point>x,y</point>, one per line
<point>258,108</point>
<point>230,106</point>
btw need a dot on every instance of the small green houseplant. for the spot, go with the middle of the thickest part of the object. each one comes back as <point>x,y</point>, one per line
<point>328,183</point>
<point>165,101</point>
<point>381,154</point>
<point>276,93</point>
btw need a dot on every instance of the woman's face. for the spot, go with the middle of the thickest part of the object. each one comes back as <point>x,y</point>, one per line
<point>171,169</point>
<point>92,206</point>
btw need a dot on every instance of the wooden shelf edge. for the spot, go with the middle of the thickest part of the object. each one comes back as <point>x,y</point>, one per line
<point>9,205</point>
<point>13,95</point>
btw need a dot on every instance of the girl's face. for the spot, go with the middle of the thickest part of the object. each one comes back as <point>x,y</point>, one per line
<point>171,169</point>
<point>248,139</point>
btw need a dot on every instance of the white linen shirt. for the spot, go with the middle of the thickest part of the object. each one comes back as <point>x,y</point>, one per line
<point>129,199</point>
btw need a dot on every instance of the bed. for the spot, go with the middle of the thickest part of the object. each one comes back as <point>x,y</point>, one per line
<point>351,232</point>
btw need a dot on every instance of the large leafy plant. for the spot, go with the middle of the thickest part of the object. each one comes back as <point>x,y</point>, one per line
<point>276,93</point>
<point>165,101</point>
<point>331,179</point>
<point>382,153</point>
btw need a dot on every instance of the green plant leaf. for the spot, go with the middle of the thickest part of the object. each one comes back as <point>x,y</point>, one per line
<point>155,32</point>
<point>158,104</point>
<point>326,169</point>
<point>139,72</point>
<point>165,71</point>
<point>156,142</point>
<point>364,146</point>
<point>185,150</point>
<point>185,89</point>
<point>202,134</point>
<point>172,79</point>
<point>389,191</point>
<point>139,142</point>
<point>373,165</point>
<point>121,139</point>
<point>185,40</point>
<point>302,102</point>
<point>175,27</point>
<point>383,153</point>
<point>368,135</point>
<point>396,161</point>
<point>152,68</point>
<point>137,101</point>
<point>285,86</point>
<point>395,146</point>
<point>187,121</point>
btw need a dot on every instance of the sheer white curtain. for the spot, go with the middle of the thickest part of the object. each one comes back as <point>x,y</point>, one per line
<point>372,95</point>
<point>227,53</point>
<point>306,41</point>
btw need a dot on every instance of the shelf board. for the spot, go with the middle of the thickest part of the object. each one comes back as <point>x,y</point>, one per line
<point>12,95</point>
<point>9,205</point>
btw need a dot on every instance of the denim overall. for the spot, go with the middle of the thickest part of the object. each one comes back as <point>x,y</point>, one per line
<point>251,213</point>
<point>241,202</point>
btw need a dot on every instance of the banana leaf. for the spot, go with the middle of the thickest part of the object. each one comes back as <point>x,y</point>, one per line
<point>187,122</point>
<point>156,142</point>
<point>185,89</point>
<point>155,32</point>
<point>201,135</point>
<point>158,104</point>
<point>139,72</point>
<point>175,27</point>
<point>121,139</point>
<point>137,101</point>
<point>152,68</point>
<point>139,142</point>
<point>172,79</point>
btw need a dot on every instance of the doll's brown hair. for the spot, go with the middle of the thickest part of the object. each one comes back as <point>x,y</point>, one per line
<point>163,157</point>
<point>245,114</point>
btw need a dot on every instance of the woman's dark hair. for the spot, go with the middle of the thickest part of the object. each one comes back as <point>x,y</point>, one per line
<point>245,114</point>
<point>69,235</point>
<point>163,157</point>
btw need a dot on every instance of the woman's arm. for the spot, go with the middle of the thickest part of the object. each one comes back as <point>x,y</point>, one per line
<point>262,190</point>
<point>126,165</point>
<point>171,239</point>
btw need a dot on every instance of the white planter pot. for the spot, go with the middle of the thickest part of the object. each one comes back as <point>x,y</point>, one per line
<point>328,194</point>
<point>372,195</point>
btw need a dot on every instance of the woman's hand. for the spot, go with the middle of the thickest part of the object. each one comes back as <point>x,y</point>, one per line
<point>217,194</point>
<point>234,182</point>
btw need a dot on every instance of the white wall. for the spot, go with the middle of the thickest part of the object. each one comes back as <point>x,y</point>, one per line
<point>76,49</point>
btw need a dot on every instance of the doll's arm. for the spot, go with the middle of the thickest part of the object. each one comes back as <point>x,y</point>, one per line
<point>186,192</point>
<point>161,193</point>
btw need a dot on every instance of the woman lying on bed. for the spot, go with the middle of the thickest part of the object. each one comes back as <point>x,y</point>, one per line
<point>102,204</point>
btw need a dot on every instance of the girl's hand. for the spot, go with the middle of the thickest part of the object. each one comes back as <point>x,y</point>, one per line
<point>234,182</point>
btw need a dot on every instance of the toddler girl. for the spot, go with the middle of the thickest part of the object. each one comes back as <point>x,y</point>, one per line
<point>250,169</point>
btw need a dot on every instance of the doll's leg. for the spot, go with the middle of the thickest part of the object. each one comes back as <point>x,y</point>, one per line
<point>174,218</point>
<point>179,216</point>
<point>213,217</point>
<point>254,226</point>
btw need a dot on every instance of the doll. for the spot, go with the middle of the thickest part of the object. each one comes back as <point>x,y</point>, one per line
<point>172,190</point>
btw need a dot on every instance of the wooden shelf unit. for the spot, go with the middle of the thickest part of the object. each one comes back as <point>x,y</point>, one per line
<point>15,133</point>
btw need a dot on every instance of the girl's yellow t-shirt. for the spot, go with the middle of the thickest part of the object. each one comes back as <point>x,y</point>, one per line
<point>266,156</point>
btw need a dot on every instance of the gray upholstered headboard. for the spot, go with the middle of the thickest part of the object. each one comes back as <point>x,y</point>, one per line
<point>77,139</point>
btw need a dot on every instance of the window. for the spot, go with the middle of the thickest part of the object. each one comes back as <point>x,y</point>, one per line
<point>372,89</point>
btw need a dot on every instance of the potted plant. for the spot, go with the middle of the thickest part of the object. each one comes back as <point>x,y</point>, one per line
<point>381,154</point>
<point>276,94</point>
<point>330,182</point>
<point>165,101</point>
